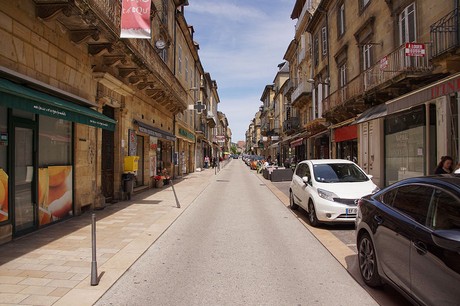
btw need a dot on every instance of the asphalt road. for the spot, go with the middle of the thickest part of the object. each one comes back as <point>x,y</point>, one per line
<point>344,232</point>
<point>237,245</point>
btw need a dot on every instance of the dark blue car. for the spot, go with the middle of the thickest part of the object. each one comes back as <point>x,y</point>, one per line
<point>408,235</point>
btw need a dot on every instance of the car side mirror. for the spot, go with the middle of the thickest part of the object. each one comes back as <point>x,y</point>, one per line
<point>447,239</point>
<point>370,176</point>
<point>306,180</point>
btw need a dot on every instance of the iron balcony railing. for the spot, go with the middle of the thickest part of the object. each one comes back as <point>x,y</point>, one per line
<point>347,92</point>
<point>388,68</point>
<point>395,64</point>
<point>444,33</point>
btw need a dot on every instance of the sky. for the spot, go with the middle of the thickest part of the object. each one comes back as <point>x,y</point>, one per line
<point>242,42</point>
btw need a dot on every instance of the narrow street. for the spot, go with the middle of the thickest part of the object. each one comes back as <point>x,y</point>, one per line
<point>236,245</point>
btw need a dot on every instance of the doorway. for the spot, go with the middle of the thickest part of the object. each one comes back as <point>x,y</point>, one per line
<point>107,164</point>
<point>24,184</point>
<point>140,153</point>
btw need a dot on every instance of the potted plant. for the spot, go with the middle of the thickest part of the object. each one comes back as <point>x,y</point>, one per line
<point>166,176</point>
<point>158,181</point>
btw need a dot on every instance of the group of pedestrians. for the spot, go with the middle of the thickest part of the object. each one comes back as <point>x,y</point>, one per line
<point>210,162</point>
<point>446,166</point>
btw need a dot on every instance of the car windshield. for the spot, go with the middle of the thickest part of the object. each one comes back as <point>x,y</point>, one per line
<point>338,173</point>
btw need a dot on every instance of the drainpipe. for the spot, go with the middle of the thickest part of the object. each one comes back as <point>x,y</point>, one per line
<point>173,153</point>
<point>427,139</point>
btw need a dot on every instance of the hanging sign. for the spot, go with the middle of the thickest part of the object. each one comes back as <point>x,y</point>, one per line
<point>135,19</point>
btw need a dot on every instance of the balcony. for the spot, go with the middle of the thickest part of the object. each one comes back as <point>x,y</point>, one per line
<point>445,35</point>
<point>392,76</point>
<point>304,89</point>
<point>135,62</point>
<point>395,66</point>
<point>291,125</point>
<point>350,91</point>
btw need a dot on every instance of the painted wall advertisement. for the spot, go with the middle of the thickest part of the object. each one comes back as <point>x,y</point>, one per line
<point>54,193</point>
<point>3,195</point>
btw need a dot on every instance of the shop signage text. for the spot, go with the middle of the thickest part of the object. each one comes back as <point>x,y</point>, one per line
<point>186,134</point>
<point>445,88</point>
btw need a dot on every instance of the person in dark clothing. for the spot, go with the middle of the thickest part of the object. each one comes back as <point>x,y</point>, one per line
<point>444,166</point>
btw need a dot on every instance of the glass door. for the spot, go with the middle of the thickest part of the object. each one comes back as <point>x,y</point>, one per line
<point>24,180</point>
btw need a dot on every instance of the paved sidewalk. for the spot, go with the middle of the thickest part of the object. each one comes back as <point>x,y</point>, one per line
<point>53,266</point>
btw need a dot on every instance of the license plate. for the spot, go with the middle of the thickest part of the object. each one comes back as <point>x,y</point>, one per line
<point>352,211</point>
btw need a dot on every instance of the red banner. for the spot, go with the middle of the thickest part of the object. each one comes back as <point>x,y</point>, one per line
<point>135,19</point>
<point>415,49</point>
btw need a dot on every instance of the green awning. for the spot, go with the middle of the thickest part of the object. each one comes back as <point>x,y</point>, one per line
<point>21,97</point>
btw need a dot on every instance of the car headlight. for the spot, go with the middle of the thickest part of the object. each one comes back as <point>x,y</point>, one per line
<point>328,195</point>
<point>377,189</point>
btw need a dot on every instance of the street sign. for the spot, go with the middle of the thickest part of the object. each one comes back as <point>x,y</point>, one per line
<point>415,49</point>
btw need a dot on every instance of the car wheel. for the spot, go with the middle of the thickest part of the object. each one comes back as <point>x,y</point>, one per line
<point>292,204</point>
<point>368,261</point>
<point>312,214</point>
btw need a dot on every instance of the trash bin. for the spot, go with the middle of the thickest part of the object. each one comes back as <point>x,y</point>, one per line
<point>128,184</point>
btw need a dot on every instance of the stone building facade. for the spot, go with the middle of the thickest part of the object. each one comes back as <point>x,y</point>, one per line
<point>93,105</point>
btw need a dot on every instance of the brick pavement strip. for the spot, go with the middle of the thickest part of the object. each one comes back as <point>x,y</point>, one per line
<point>52,266</point>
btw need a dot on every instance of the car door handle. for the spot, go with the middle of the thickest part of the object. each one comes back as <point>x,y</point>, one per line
<point>378,219</point>
<point>421,247</point>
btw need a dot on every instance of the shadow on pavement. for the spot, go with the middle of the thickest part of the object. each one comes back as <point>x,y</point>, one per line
<point>30,242</point>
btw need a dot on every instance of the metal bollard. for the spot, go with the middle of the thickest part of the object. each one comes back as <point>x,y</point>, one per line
<point>175,195</point>
<point>94,279</point>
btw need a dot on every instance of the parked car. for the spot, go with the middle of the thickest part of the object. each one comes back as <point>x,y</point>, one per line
<point>329,189</point>
<point>408,235</point>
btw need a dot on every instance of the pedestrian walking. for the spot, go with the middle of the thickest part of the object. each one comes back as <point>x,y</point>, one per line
<point>444,166</point>
<point>206,162</point>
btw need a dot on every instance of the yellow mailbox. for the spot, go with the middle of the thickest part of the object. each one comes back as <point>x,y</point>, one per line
<point>131,163</point>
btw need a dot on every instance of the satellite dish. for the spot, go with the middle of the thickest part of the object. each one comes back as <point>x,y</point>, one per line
<point>160,44</point>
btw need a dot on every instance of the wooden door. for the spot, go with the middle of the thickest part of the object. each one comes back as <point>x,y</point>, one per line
<point>108,145</point>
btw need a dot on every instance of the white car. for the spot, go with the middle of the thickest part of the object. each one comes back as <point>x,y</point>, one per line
<point>329,189</point>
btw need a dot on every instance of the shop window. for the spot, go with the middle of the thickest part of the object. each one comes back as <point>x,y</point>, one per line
<point>3,137</point>
<point>55,145</point>
<point>3,165</point>
<point>405,146</point>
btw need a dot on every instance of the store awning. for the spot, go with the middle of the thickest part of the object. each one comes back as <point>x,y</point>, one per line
<point>443,87</point>
<point>153,131</point>
<point>21,97</point>
<point>296,143</point>
<point>372,113</point>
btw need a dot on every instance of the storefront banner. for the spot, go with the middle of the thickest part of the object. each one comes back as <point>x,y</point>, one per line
<point>296,143</point>
<point>3,195</point>
<point>55,198</point>
<point>135,19</point>
<point>346,133</point>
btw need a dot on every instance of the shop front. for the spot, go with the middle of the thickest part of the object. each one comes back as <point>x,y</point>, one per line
<point>186,144</point>
<point>406,144</point>
<point>155,151</point>
<point>346,141</point>
<point>37,155</point>
<point>299,148</point>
